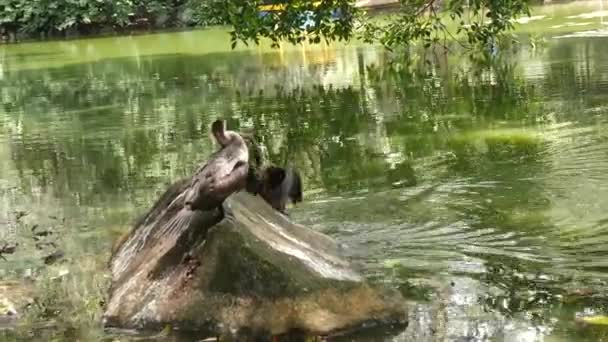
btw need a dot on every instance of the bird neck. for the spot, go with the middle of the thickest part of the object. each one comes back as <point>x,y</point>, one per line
<point>227,138</point>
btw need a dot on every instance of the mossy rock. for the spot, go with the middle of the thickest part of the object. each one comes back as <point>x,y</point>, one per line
<point>250,270</point>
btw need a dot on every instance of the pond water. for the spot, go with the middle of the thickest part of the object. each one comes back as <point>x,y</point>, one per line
<point>479,190</point>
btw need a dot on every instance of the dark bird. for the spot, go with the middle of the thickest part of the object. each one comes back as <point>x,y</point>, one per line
<point>225,172</point>
<point>280,185</point>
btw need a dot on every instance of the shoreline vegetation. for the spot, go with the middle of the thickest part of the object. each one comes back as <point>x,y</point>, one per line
<point>24,21</point>
<point>159,17</point>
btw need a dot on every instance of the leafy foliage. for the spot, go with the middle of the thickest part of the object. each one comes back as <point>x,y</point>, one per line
<point>32,17</point>
<point>471,22</point>
<point>204,13</point>
<point>294,21</point>
<point>45,16</point>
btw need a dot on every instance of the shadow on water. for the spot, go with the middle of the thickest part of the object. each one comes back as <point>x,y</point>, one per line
<point>477,190</point>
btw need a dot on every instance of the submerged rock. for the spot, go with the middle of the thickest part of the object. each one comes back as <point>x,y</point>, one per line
<point>249,270</point>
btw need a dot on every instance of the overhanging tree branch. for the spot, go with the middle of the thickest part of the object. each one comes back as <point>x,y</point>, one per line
<point>471,23</point>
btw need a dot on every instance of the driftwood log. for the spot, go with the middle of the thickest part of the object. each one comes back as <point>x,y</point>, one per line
<point>244,269</point>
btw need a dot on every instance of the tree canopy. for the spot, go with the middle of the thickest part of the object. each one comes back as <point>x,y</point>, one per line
<point>55,17</point>
<point>470,22</point>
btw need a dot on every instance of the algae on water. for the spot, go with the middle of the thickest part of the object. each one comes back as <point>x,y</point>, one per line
<point>496,142</point>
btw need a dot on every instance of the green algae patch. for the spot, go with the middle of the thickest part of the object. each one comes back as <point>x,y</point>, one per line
<point>562,18</point>
<point>497,142</point>
<point>511,135</point>
<point>528,218</point>
<point>595,320</point>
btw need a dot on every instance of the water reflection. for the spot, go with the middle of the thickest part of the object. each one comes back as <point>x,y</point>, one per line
<point>476,189</point>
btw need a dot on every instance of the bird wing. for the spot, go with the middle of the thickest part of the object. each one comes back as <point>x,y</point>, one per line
<point>232,181</point>
<point>222,176</point>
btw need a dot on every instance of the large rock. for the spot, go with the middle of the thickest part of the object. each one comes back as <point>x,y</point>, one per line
<point>248,269</point>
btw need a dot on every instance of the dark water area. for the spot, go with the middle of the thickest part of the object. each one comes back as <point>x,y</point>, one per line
<point>479,190</point>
